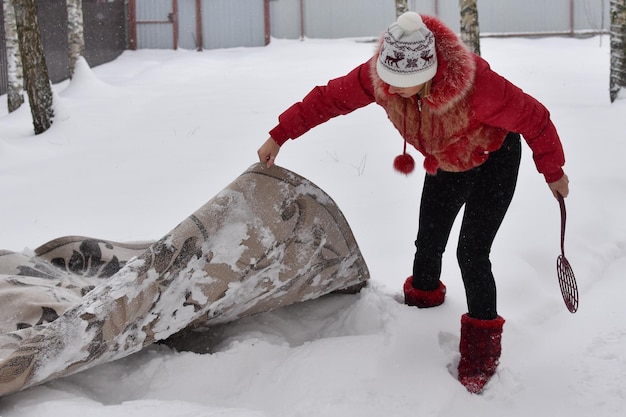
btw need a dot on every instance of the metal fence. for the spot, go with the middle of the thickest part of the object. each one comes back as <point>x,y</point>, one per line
<point>198,24</point>
<point>114,25</point>
<point>3,54</point>
<point>104,31</point>
<point>189,24</point>
<point>294,19</point>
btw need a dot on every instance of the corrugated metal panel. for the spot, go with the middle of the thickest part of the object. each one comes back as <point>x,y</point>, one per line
<point>426,6</point>
<point>104,30</point>
<point>352,18</point>
<point>154,37</point>
<point>347,18</point>
<point>156,34</point>
<point>592,15</point>
<point>52,18</point>
<point>231,23</point>
<point>497,16</point>
<point>105,35</point>
<point>449,12</point>
<point>225,23</point>
<point>187,30</point>
<point>524,16</point>
<point>285,18</point>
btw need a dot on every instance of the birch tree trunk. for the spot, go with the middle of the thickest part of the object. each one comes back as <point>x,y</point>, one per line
<point>402,6</point>
<point>75,36</point>
<point>15,87</point>
<point>618,48</point>
<point>470,31</point>
<point>36,76</point>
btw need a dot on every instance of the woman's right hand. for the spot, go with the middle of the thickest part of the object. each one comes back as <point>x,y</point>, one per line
<point>560,187</point>
<point>268,152</point>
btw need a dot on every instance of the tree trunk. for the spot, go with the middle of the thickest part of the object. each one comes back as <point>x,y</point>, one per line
<point>36,76</point>
<point>15,87</point>
<point>618,48</point>
<point>470,31</point>
<point>402,6</point>
<point>75,37</point>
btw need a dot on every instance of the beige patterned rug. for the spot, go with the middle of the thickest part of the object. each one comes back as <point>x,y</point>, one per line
<point>269,239</point>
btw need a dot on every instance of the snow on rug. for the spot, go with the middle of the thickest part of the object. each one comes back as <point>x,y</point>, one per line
<point>269,239</point>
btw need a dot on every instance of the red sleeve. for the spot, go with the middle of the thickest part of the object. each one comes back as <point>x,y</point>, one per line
<point>340,96</point>
<point>499,103</point>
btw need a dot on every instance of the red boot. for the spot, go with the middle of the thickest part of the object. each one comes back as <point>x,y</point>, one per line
<point>480,349</point>
<point>423,299</point>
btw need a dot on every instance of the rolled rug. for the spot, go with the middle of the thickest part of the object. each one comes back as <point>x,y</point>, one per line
<point>269,239</point>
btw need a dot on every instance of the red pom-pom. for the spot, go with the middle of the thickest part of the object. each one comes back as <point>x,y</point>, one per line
<point>404,163</point>
<point>431,164</point>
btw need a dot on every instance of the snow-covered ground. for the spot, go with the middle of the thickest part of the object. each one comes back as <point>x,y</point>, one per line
<point>139,143</point>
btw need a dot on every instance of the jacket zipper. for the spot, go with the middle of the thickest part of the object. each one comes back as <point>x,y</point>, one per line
<point>418,98</point>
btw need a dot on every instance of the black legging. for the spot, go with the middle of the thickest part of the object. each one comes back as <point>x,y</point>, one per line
<point>486,191</point>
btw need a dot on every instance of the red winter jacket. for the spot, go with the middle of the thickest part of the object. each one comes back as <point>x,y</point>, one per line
<point>466,116</point>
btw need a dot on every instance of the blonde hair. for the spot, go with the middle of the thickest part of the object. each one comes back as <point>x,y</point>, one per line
<point>426,89</point>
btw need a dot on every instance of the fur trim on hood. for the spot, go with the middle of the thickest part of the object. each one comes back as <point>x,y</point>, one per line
<point>440,125</point>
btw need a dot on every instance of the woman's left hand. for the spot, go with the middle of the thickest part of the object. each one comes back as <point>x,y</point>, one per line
<point>561,186</point>
<point>268,151</point>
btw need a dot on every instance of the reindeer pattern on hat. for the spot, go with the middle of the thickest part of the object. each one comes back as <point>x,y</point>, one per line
<point>405,57</point>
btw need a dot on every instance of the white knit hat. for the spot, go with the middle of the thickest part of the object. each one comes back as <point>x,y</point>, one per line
<point>407,57</point>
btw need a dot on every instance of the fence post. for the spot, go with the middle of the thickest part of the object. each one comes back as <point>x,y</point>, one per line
<point>571,17</point>
<point>301,20</point>
<point>266,21</point>
<point>199,40</point>
<point>132,25</point>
